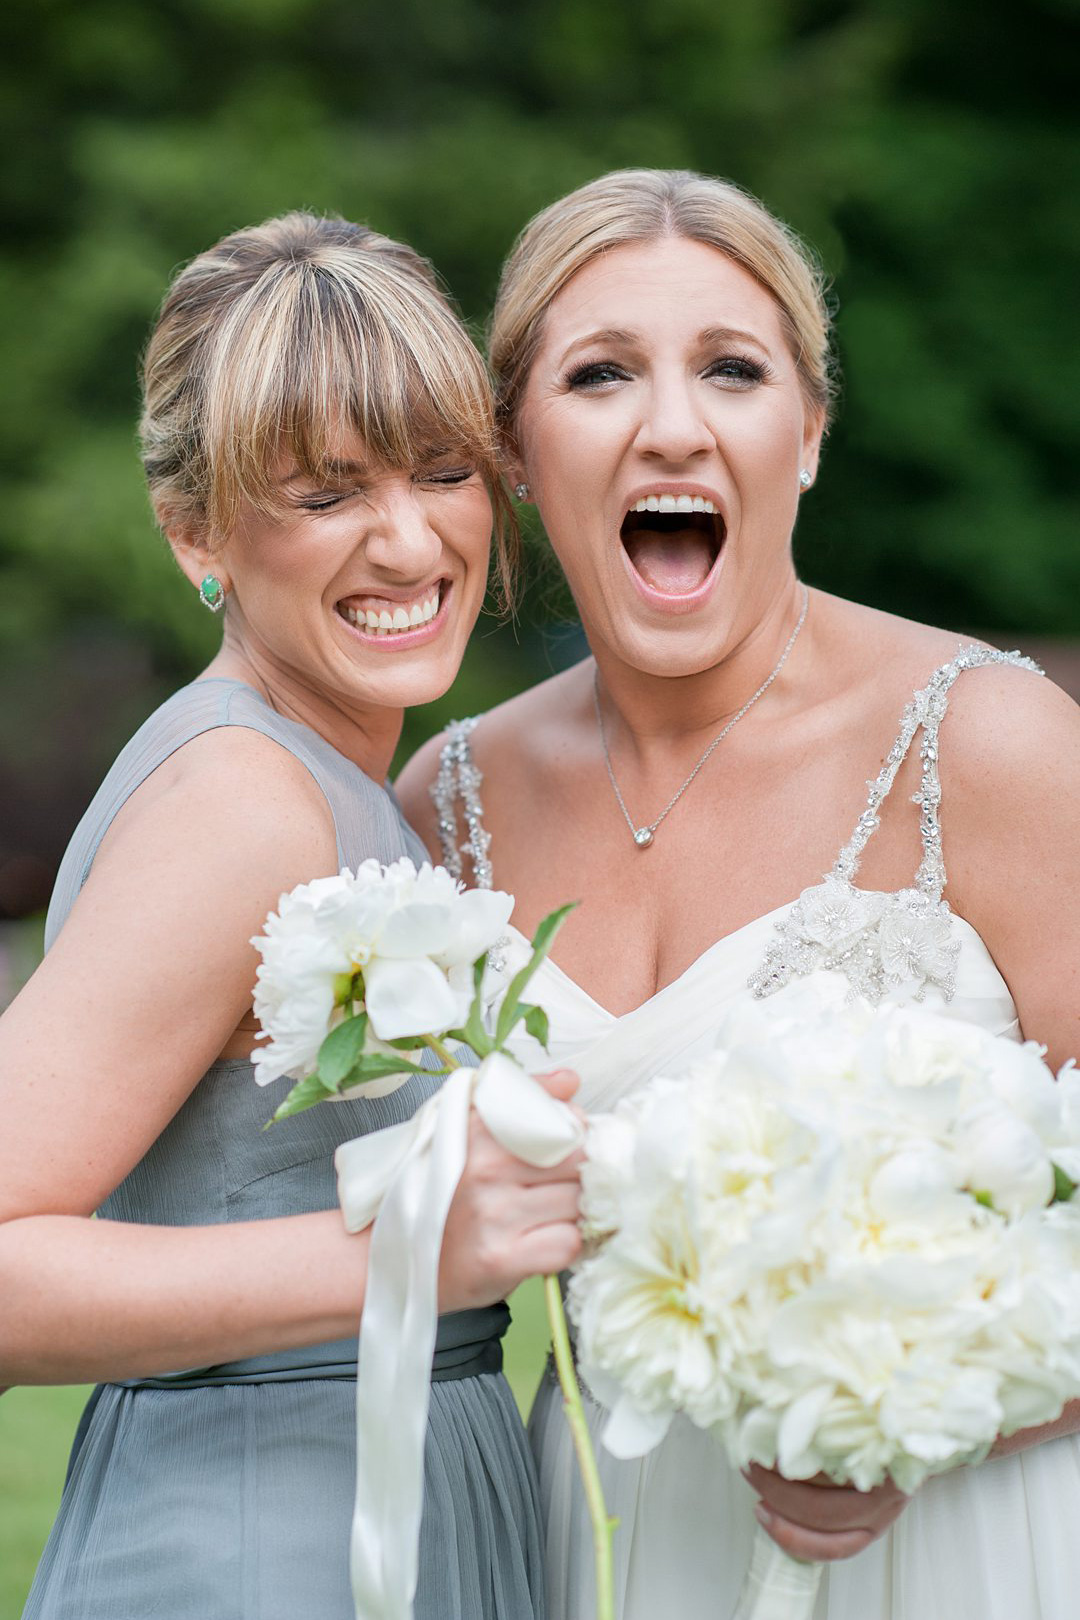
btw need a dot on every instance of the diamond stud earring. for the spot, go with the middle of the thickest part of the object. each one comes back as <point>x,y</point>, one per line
<point>805,478</point>
<point>521,491</point>
<point>212,593</point>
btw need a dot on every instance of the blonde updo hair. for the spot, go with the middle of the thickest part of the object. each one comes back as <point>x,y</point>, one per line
<point>642,205</point>
<point>283,336</point>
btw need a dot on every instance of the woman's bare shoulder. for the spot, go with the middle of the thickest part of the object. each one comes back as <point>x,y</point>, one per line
<point>235,787</point>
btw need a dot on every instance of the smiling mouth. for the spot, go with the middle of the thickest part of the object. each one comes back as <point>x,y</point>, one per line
<point>379,616</point>
<point>673,541</point>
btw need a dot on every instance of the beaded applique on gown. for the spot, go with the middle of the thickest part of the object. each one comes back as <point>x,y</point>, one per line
<point>226,1493</point>
<point>997,1542</point>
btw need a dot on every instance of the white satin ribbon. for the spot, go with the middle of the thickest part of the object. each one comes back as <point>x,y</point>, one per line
<point>405,1178</point>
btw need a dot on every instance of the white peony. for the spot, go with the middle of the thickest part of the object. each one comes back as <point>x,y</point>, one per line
<point>412,934</point>
<point>830,1241</point>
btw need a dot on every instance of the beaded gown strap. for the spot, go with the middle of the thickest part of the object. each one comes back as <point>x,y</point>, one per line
<point>458,779</point>
<point>905,941</point>
<point>926,711</point>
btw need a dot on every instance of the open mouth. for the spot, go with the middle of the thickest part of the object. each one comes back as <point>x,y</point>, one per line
<point>379,616</point>
<point>673,541</point>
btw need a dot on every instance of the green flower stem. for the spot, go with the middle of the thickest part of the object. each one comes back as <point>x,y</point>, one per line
<point>443,1053</point>
<point>603,1525</point>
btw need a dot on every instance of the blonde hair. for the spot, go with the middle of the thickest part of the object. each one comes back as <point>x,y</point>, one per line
<point>283,336</point>
<point>641,205</point>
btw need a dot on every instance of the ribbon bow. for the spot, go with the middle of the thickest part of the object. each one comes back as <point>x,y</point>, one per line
<point>404,1178</point>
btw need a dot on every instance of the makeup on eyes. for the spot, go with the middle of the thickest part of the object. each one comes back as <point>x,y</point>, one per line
<point>746,371</point>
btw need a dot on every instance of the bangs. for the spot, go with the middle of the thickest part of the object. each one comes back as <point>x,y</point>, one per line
<point>317,352</point>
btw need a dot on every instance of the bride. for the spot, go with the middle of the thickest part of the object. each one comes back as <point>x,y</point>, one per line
<point>727,786</point>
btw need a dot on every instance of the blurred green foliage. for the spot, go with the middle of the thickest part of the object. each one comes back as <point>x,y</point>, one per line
<point>926,149</point>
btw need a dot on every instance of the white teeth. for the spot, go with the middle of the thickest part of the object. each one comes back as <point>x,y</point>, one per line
<point>673,503</point>
<point>383,622</point>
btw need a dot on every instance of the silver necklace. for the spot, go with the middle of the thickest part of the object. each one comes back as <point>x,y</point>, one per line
<point>643,836</point>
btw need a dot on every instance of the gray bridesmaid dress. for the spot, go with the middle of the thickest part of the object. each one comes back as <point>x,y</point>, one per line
<point>225,1493</point>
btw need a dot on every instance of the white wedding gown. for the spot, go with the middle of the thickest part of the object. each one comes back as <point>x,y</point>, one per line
<point>997,1542</point>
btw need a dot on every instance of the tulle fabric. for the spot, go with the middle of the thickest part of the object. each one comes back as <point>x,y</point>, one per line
<point>236,1502</point>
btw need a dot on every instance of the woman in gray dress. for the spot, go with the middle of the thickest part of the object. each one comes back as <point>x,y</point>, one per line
<point>317,441</point>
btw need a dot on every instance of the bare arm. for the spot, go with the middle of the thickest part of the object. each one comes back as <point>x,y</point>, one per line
<point>145,986</point>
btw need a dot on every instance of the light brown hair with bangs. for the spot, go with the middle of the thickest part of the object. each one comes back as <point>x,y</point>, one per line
<point>283,337</point>
<point>643,205</point>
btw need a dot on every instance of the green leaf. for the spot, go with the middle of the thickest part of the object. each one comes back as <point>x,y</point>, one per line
<point>549,926</point>
<point>1064,1186</point>
<point>536,1022</point>
<point>341,1050</point>
<point>376,1066</point>
<point>511,1010</point>
<point>981,1196</point>
<point>305,1094</point>
<point>474,1034</point>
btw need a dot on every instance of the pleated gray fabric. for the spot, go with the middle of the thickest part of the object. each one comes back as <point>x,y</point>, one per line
<point>229,1496</point>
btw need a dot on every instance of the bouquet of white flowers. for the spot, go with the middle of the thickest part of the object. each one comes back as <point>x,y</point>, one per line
<point>362,972</point>
<point>367,979</point>
<point>846,1242</point>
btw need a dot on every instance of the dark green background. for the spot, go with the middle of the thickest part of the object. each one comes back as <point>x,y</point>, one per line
<point>923,146</point>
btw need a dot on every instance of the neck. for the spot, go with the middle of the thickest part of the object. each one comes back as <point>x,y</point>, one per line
<point>652,713</point>
<point>367,734</point>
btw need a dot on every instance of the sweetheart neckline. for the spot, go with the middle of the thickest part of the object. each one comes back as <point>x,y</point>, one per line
<point>725,939</point>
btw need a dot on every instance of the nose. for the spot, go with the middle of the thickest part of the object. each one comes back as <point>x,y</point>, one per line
<point>399,538</point>
<point>673,425</point>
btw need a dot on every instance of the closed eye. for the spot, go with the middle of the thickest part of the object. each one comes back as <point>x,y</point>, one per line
<point>450,475</point>
<point>325,501</point>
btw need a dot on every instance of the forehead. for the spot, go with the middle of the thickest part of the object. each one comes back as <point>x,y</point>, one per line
<point>663,288</point>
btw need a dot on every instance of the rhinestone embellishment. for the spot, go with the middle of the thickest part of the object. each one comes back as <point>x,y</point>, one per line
<point>643,838</point>
<point>458,778</point>
<point>884,942</point>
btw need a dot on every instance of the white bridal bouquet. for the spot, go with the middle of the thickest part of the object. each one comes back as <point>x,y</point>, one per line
<point>846,1242</point>
<point>367,979</point>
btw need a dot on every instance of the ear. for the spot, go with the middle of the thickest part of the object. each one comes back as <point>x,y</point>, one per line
<point>194,556</point>
<point>513,465</point>
<point>813,433</point>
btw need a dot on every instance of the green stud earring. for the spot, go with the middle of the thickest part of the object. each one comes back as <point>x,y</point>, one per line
<point>212,593</point>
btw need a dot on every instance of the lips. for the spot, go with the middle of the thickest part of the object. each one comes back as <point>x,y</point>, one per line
<point>673,541</point>
<point>383,616</point>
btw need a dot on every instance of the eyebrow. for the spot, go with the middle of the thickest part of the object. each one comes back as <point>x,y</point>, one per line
<point>625,339</point>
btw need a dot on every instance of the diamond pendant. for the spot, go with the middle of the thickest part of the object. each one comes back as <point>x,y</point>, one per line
<point>643,838</point>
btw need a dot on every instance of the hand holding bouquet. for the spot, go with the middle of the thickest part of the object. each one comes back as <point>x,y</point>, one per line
<point>366,980</point>
<point>846,1242</point>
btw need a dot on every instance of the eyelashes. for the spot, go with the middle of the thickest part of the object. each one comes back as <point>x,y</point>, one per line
<point>441,478</point>
<point>593,374</point>
<point>738,372</point>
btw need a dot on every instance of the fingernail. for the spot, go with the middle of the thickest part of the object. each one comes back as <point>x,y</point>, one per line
<point>762,1515</point>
